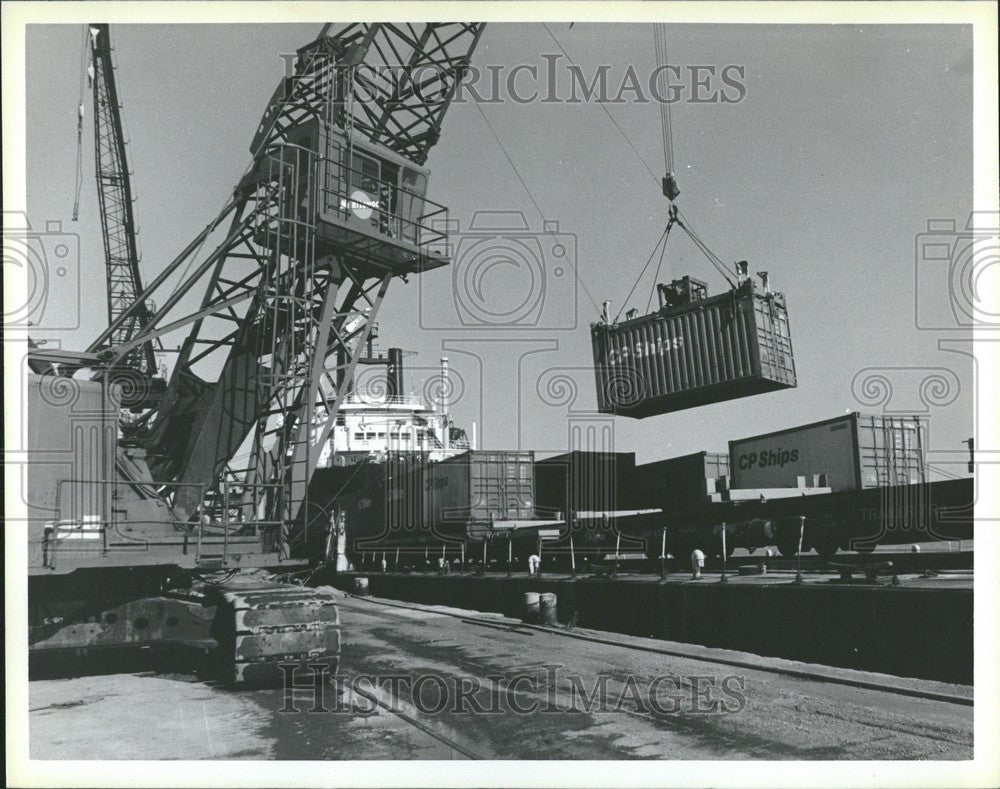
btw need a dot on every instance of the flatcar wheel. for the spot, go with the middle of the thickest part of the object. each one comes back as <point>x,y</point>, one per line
<point>787,544</point>
<point>826,549</point>
<point>824,538</point>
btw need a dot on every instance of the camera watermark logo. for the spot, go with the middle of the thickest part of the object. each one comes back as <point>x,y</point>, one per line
<point>505,274</point>
<point>958,273</point>
<point>41,275</point>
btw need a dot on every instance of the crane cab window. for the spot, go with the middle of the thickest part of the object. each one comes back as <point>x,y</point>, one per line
<point>372,192</point>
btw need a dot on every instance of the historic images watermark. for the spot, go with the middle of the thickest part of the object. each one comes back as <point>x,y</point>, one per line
<point>553,79</point>
<point>559,81</point>
<point>549,691</point>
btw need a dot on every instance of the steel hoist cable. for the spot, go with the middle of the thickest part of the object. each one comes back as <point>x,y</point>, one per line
<point>573,265</point>
<point>663,89</point>
<point>661,240</point>
<point>713,258</point>
<point>79,123</point>
<point>670,189</point>
<point>669,182</point>
<point>601,104</point>
<point>659,265</point>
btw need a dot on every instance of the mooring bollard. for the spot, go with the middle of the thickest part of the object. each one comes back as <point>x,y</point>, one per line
<point>663,555</point>
<point>361,587</point>
<point>547,609</point>
<point>531,607</point>
<point>798,556</point>
<point>697,562</point>
<point>722,578</point>
<point>618,545</point>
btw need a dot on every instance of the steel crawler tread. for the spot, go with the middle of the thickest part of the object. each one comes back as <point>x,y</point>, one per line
<point>271,630</point>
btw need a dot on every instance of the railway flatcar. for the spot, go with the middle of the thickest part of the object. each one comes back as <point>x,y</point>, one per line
<point>855,520</point>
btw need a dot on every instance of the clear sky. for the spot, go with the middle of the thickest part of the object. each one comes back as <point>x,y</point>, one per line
<point>848,140</point>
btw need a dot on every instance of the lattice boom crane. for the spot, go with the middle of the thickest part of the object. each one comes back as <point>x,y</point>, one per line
<point>115,198</point>
<point>332,208</point>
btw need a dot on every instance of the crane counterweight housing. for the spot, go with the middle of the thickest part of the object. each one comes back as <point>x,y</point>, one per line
<point>694,350</point>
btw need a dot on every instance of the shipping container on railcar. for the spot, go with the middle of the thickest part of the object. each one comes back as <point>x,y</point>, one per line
<point>694,350</point>
<point>328,488</point>
<point>479,487</point>
<point>388,507</point>
<point>584,481</point>
<point>417,502</point>
<point>852,452</point>
<point>680,481</point>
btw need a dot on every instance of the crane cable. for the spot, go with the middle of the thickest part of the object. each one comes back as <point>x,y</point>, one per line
<point>662,89</point>
<point>663,85</point>
<point>663,94</point>
<point>573,264</point>
<point>79,124</point>
<point>670,190</point>
<point>714,259</point>
<point>661,240</point>
<point>663,253</point>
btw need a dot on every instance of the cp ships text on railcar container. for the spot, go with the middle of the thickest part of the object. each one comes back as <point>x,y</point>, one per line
<point>853,452</point>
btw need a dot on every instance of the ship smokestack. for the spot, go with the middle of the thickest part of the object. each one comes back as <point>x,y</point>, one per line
<point>394,374</point>
<point>446,429</point>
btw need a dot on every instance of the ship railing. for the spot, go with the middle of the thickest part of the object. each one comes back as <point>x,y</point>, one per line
<point>379,400</point>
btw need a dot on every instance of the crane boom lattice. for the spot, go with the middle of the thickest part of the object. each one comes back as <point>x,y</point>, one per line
<point>331,210</point>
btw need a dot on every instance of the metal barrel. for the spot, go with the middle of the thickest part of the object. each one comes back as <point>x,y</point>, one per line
<point>547,611</point>
<point>531,607</point>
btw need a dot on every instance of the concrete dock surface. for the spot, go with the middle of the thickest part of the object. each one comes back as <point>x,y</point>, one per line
<point>427,683</point>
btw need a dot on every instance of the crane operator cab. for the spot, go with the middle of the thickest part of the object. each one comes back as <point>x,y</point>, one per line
<point>360,198</point>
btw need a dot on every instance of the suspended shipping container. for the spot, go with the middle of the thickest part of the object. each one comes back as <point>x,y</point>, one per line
<point>694,350</point>
<point>852,452</point>
<point>681,481</point>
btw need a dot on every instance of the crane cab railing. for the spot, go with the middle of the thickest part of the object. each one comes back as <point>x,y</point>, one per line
<point>357,199</point>
<point>98,517</point>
